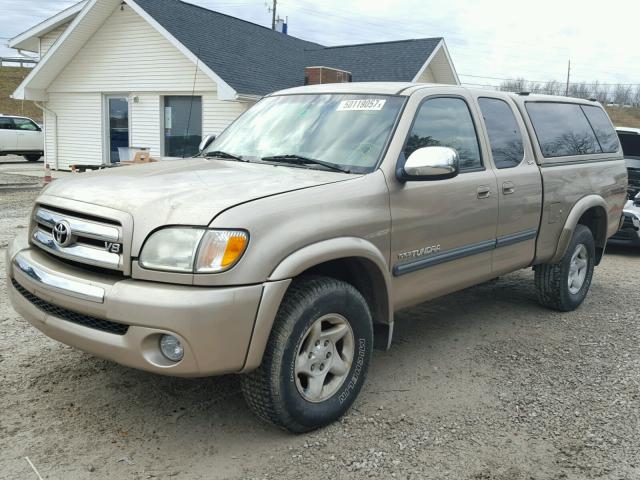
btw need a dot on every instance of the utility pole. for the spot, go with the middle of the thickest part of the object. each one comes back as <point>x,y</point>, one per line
<point>568,76</point>
<point>273,20</point>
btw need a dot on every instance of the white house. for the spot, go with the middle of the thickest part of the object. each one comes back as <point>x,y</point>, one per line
<point>160,74</point>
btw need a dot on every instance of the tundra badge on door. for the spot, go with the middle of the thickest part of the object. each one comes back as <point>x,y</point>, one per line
<point>420,252</point>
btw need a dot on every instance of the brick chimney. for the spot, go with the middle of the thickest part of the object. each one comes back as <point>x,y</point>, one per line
<point>319,75</point>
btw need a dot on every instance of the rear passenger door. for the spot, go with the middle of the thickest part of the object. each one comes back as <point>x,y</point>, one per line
<point>29,135</point>
<point>7,135</point>
<point>519,184</point>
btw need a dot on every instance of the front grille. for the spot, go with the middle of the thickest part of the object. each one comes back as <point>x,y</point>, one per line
<point>83,239</point>
<point>71,316</point>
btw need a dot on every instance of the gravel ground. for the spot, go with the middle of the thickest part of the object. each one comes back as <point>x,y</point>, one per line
<point>480,385</point>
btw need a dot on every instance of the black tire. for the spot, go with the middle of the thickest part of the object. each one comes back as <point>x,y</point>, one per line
<point>32,158</point>
<point>271,391</point>
<point>552,280</point>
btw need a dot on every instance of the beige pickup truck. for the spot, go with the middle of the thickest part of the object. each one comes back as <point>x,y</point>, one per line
<point>283,251</point>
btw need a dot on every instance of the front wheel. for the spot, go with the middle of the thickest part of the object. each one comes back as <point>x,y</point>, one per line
<point>564,285</point>
<point>316,358</point>
<point>32,158</point>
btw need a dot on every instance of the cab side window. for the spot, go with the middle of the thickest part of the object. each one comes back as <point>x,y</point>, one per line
<point>25,124</point>
<point>504,134</point>
<point>446,122</point>
<point>6,124</point>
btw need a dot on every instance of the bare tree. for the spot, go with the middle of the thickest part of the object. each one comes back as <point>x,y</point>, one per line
<point>552,87</point>
<point>622,94</point>
<point>636,96</point>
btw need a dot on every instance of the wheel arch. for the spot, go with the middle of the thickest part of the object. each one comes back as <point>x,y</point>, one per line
<point>344,258</point>
<point>590,211</point>
<point>327,257</point>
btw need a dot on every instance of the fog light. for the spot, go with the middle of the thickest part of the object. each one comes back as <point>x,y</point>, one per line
<point>171,348</point>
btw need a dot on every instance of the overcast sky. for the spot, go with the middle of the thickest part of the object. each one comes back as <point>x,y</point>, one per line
<point>486,38</point>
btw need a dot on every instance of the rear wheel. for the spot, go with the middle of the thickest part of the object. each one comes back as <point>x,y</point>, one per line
<point>564,285</point>
<point>32,158</point>
<point>316,358</point>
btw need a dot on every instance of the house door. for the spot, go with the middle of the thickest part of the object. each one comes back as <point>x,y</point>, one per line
<point>117,122</point>
<point>182,125</point>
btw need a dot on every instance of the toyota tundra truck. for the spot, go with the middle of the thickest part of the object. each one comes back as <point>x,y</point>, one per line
<point>283,250</point>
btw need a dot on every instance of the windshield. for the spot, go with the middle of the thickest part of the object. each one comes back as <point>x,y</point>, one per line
<point>345,130</point>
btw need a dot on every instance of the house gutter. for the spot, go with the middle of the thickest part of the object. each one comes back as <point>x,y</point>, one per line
<point>55,133</point>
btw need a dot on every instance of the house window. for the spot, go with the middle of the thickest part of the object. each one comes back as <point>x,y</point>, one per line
<point>182,125</point>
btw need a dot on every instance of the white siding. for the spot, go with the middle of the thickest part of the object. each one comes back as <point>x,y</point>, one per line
<point>48,39</point>
<point>427,76</point>
<point>219,114</point>
<point>79,127</point>
<point>127,54</point>
<point>145,122</point>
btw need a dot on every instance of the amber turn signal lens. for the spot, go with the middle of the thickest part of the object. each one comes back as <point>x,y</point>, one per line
<point>235,248</point>
<point>220,250</point>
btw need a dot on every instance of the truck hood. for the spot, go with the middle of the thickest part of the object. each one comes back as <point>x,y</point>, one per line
<point>185,192</point>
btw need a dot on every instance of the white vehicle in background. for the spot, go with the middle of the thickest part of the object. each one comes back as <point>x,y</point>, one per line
<point>21,136</point>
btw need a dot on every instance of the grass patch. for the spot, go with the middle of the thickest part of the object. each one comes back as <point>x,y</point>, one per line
<point>10,78</point>
<point>625,117</point>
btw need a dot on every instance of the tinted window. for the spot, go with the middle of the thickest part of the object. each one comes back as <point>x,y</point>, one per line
<point>6,124</point>
<point>504,134</point>
<point>25,124</point>
<point>605,133</point>
<point>446,122</point>
<point>630,144</point>
<point>562,129</point>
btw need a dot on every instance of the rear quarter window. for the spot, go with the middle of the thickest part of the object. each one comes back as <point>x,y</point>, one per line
<point>602,127</point>
<point>562,129</point>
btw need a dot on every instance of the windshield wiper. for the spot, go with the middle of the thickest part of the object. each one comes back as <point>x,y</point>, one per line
<point>300,160</point>
<point>221,154</point>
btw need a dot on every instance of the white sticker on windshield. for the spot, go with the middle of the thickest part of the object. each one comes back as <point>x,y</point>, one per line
<point>365,104</point>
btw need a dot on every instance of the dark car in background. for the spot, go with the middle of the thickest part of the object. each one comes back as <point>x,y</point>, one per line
<point>630,141</point>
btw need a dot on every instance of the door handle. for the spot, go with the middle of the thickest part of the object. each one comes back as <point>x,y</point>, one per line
<point>508,188</point>
<point>484,191</point>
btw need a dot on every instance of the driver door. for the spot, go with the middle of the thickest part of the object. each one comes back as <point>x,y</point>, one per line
<point>443,231</point>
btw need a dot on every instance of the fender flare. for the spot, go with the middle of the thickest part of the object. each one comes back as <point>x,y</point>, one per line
<point>300,261</point>
<point>581,206</point>
<point>335,249</point>
<point>327,250</point>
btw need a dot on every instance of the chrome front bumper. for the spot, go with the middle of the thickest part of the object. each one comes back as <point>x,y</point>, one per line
<point>51,282</point>
<point>215,325</point>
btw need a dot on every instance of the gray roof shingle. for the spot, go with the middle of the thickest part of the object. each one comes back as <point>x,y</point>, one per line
<point>255,60</point>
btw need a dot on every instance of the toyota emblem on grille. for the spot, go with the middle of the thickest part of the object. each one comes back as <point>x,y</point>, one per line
<point>62,233</point>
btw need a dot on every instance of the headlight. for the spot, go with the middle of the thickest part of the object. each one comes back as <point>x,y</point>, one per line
<point>193,250</point>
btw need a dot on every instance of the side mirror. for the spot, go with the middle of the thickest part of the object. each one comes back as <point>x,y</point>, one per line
<point>636,200</point>
<point>206,141</point>
<point>430,163</point>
